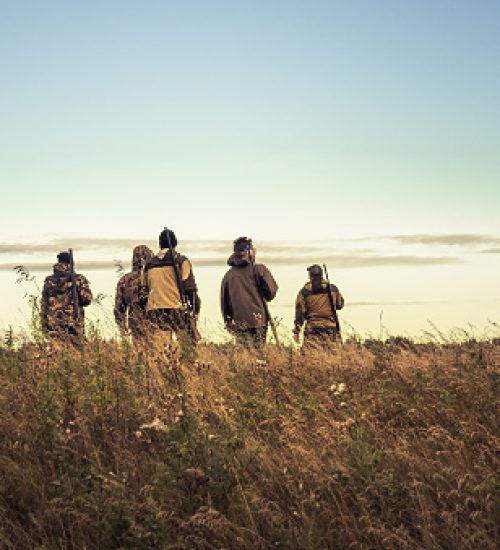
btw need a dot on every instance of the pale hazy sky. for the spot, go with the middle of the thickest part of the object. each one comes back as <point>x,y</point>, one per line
<point>278,119</point>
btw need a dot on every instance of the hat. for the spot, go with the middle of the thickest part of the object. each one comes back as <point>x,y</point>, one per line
<point>165,236</point>
<point>63,257</point>
<point>315,270</point>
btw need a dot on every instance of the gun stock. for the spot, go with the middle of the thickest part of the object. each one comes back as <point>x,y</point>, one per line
<point>332,305</point>
<point>191,321</point>
<point>264,304</point>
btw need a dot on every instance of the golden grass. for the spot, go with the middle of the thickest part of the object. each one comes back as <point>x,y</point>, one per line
<point>369,447</point>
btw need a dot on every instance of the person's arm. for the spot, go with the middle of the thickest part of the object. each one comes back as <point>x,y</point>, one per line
<point>43,308</point>
<point>338,299</point>
<point>189,287</point>
<point>225,305</point>
<point>267,283</point>
<point>84,293</point>
<point>300,314</point>
<point>120,306</point>
<point>143,288</point>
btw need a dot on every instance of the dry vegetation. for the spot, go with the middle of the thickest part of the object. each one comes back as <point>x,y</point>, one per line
<point>382,445</point>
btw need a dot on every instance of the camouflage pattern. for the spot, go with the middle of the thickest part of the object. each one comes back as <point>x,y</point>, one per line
<point>129,311</point>
<point>57,309</point>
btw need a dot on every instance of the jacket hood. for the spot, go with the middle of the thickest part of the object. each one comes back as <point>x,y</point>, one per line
<point>140,255</point>
<point>236,260</point>
<point>321,282</point>
<point>61,268</point>
<point>164,253</point>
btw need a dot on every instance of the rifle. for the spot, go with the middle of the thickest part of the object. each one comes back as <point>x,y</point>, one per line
<point>74,290</point>
<point>193,329</point>
<point>332,305</point>
<point>264,303</point>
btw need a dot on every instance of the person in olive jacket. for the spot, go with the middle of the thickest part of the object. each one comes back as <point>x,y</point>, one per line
<point>315,309</point>
<point>244,288</point>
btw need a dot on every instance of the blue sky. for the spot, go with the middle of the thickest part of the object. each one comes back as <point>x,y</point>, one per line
<point>279,119</point>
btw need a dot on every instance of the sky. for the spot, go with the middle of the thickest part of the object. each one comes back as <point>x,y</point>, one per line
<point>281,120</point>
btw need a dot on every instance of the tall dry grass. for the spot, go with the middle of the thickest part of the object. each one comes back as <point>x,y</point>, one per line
<point>372,446</point>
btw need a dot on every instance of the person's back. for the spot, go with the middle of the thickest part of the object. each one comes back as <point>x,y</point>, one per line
<point>129,312</point>
<point>58,316</point>
<point>165,308</point>
<point>161,280</point>
<point>244,287</point>
<point>313,307</point>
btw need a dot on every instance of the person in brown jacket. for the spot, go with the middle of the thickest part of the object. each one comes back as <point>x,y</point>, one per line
<point>165,308</point>
<point>244,288</point>
<point>314,308</point>
<point>129,314</point>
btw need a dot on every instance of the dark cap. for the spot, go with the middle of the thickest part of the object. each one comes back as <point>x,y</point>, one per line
<point>315,270</point>
<point>165,235</point>
<point>63,257</point>
<point>242,244</point>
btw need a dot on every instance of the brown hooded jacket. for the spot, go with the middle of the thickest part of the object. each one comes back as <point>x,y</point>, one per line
<point>241,301</point>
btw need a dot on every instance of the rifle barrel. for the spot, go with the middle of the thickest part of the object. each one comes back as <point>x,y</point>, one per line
<point>264,304</point>
<point>188,312</point>
<point>176,271</point>
<point>330,299</point>
<point>74,290</point>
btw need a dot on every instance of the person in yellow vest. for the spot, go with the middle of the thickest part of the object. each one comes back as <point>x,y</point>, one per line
<point>313,307</point>
<point>167,305</point>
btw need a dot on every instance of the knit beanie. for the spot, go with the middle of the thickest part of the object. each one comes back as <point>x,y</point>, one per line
<point>63,257</point>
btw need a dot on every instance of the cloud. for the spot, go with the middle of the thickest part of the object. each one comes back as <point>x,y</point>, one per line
<point>378,304</point>
<point>339,261</point>
<point>214,253</point>
<point>188,246</point>
<point>47,266</point>
<point>491,251</point>
<point>342,261</point>
<point>449,239</point>
<point>55,246</point>
<point>204,248</point>
<point>397,303</point>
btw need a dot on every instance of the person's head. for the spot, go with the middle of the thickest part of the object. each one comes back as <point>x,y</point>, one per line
<point>315,271</point>
<point>165,236</point>
<point>243,246</point>
<point>315,276</point>
<point>63,257</point>
<point>140,255</point>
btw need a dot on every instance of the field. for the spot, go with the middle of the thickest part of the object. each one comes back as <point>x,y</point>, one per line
<point>378,445</point>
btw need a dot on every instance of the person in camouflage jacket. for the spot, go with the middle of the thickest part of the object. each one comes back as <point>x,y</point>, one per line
<point>313,308</point>
<point>129,312</point>
<point>57,309</point>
